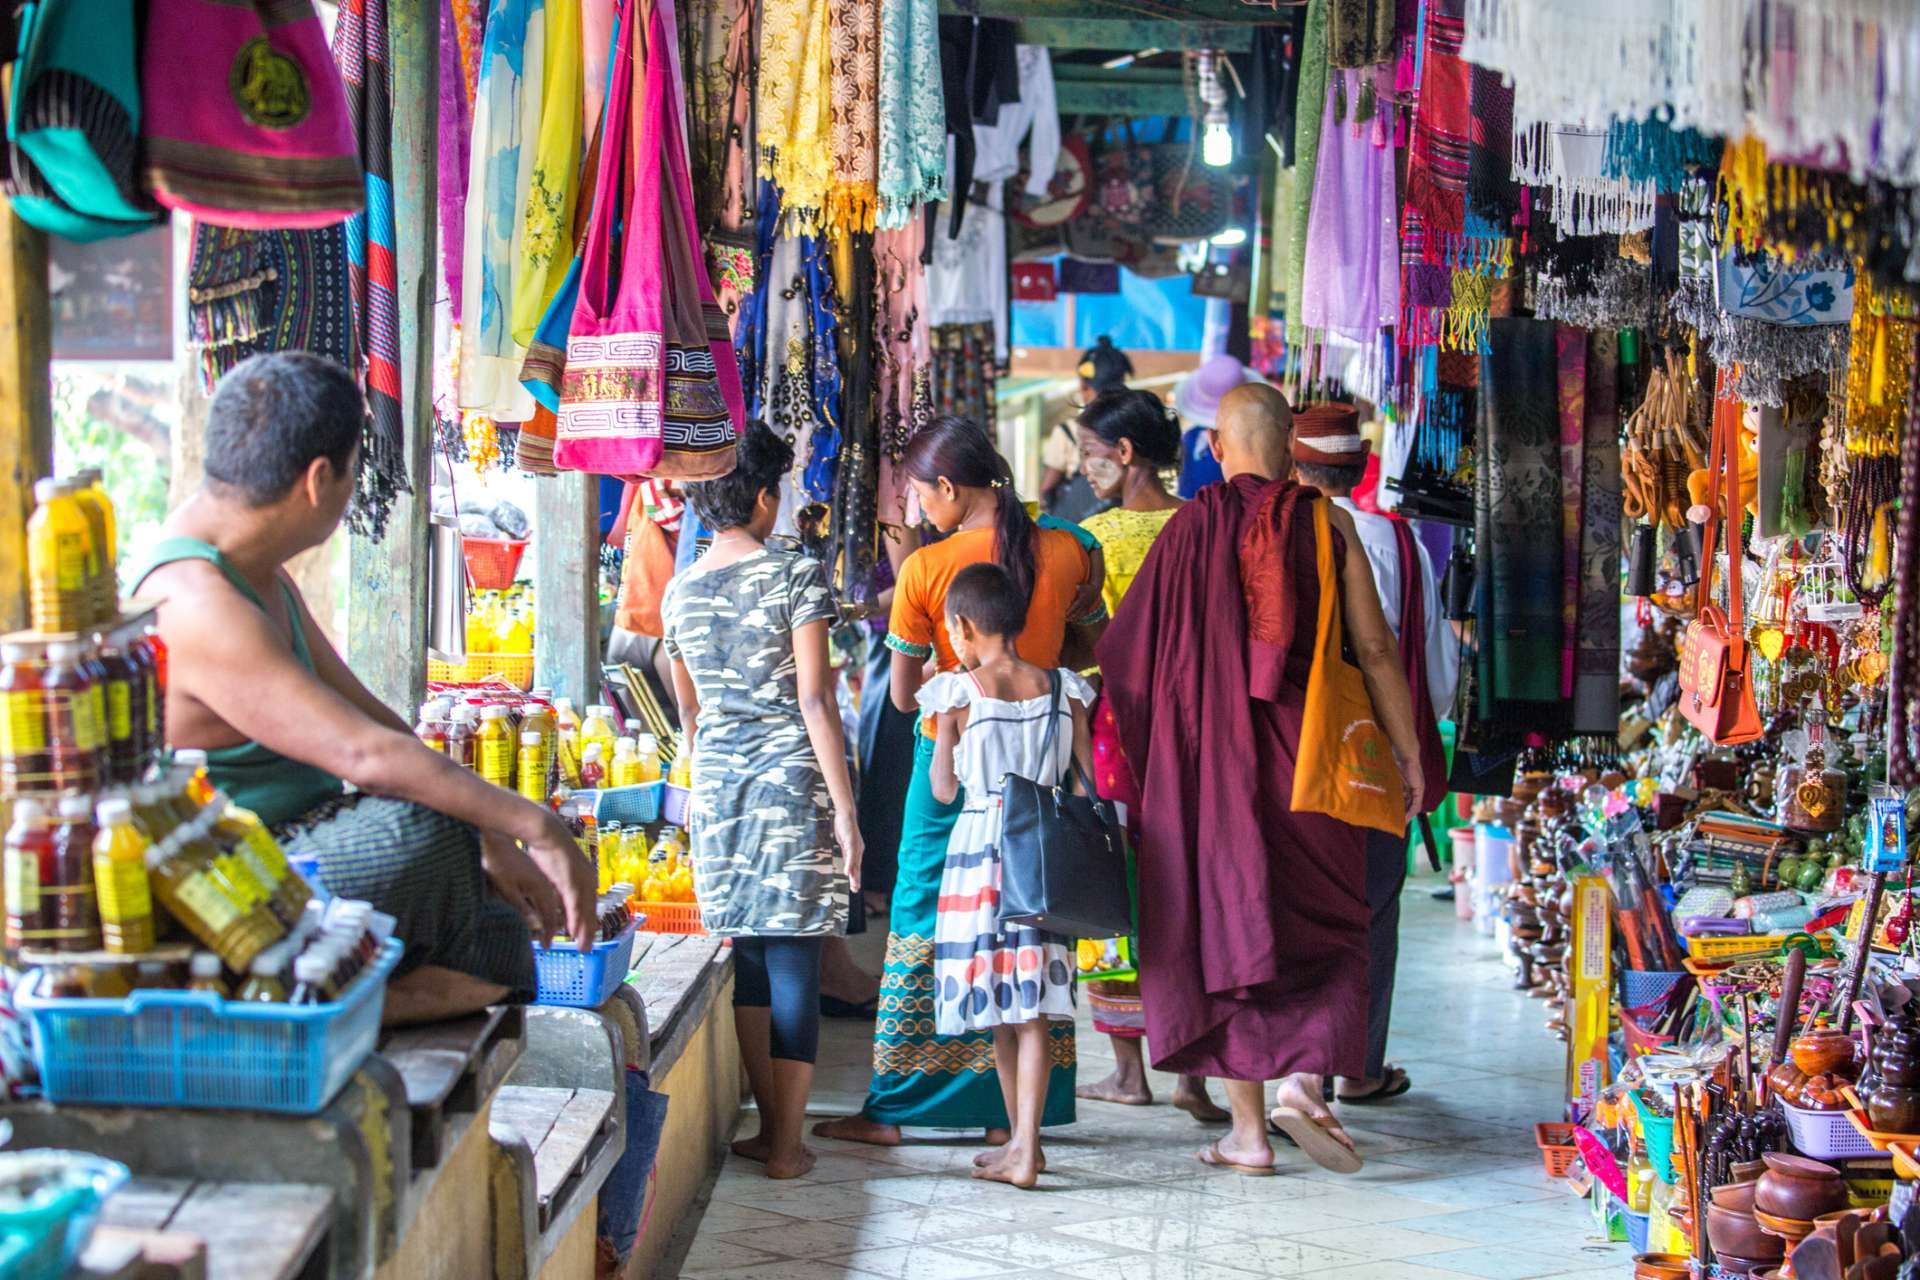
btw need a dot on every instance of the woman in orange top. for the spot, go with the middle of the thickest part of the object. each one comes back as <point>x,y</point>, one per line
<point>966,490</point>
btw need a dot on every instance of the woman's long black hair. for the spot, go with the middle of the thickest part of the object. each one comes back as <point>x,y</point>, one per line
<point>960,450</point>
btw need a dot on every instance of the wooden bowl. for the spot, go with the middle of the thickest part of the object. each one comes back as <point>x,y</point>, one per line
<point>1660,1266</point>
<point>1735,1231</point>
<point>1735,1195</point>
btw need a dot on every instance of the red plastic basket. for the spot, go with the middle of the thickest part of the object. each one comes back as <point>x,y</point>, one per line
<point>1557,1149</point>
<point>670,917</point>
<point>492,562</point>
<point>1639,1039</point>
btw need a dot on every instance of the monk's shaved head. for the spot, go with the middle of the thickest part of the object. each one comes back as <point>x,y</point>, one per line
<point>1253,432</point>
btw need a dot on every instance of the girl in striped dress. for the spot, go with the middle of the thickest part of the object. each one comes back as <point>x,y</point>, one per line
<point>993,719</point>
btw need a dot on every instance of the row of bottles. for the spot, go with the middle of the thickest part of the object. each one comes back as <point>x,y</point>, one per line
<point>80,714</point>
<point>540,744</point>
<point>86,876</point>
<point>72,579</point>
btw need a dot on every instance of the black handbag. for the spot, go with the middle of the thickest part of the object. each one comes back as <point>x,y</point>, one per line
<point>1063,857</point>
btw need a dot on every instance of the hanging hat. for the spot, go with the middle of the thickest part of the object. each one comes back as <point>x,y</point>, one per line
<point>1105,367</point>
<point>1327,433</point>
<point>1197,396</point>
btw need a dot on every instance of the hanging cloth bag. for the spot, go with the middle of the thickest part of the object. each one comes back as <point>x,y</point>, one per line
<point>244,119</point>
<point>705,408</point>
<point>612,393</point>
<point>1345,768</point>
<point>1716,665</point>
<point>75,115</point>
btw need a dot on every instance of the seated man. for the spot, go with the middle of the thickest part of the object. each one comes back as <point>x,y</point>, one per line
<point>254,681</point>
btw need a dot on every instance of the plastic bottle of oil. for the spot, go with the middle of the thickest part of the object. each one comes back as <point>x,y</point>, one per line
<point>598,727</point>
<point>74,734</point>
<point>68,892</point>
<point>190,886</point>
<point>124,739</point>
<point>532,766</point>
<point>493,747</point>
<point>460,736</point>
<point>266,979</point>
<point>120,878</point>
<point>60,559</point>
<point>204,973</point>
<point>26,761</point>
<point>242,833</point>
<point>103,580</point>
<point>29,846</point>
<point>649,758</point>
<point>625,769</point>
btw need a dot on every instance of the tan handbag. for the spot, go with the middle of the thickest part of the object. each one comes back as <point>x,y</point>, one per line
<point>1346,768</point>
<point>1716,664</point>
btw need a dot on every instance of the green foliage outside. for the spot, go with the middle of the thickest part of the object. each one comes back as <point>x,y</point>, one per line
<point>135,472</point>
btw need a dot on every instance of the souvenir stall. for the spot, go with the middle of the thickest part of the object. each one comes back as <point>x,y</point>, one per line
<point>1640,324</point>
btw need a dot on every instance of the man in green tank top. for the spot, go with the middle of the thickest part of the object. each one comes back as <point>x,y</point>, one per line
<point>468,868</point>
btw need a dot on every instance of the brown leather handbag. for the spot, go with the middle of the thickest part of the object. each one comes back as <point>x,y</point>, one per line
<point>1716,663</point>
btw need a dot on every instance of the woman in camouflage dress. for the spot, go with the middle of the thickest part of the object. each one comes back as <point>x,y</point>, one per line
<point>775,837</point>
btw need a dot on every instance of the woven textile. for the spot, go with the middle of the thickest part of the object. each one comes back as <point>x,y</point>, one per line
<point>795,96</point>
<point>854,111</point>
<point>912,114</point>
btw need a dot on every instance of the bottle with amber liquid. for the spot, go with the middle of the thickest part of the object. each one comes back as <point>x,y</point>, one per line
<point>26,760</point>
<point>29,848</point>
<point>66,892</point>
<point>74,733</point>
<point>190,885</point>
<point>124,698</point>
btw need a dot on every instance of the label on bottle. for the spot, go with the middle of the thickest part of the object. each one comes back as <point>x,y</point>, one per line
<point>207,906</point>
<point>119,710</point>
<point>81,714</point>
<point>22,876</point>
<point>265,850</point>
<point>70,556</point>
<point>124,895</point>
<point>496,760</point>
<point>153,704</point>
<point>241,877</point>
<point>533,774</point>
<point>23,722</point>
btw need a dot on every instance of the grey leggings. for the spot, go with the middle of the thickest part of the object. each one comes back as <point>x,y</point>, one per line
<point>782,974</point>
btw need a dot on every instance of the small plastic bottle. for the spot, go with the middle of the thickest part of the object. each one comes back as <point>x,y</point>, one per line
<point>266,979</point>
<point>120,877</point>
<point>29,845</point>
<point>74,913</point>
<point>204,973</point>
<point>309,979</point>
<point>493,747</point>
<point>62,560</point>
<point>431,728</point>
<point>593,770</point>
<point>625,769</point>
<point>599,729</point>
<point>532,765</point>
<point>649,747</point>
<point>460,732</point>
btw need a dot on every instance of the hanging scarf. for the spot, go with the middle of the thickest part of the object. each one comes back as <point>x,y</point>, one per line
<point>901,357</point>
<point>1839,84</point>
<point>1652,150</point>
<point>1442,125</point>
<point>795,96</point>
<point>544,245</point>
<point>716,44</point>
<point>1493,196</point>
<point>1360,33</point>
<point>1568,160</point>
<point>1306,150</point>
<point>854,112</point>
<point>1596,672</point>
<point>1570,366</point>
<point>1517,458</point>
<point>851,541</point>
<point>1351,285</point>
<point>360,49</point>
<point>506,122</point>
<point>913,117</point>
<point>462,23</point>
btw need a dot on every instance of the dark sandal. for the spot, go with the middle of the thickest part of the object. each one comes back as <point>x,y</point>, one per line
<point>1395,1084</point>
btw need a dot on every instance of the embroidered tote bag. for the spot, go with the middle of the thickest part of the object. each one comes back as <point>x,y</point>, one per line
<point>1345,768</point>
<point>244,117</point>
<point>1716,663</point>
<point>612,393</point>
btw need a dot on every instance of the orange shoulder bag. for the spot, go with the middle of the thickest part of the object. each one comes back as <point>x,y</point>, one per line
<point>1716,663</point>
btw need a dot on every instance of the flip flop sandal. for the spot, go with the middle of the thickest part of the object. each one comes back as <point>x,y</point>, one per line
<point>1212,1158</point>
<point>1315,1139</point>
<point>1395,1084</point>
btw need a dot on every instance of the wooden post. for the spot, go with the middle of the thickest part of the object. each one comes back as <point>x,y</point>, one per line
<point>566,585</point>
<point>26,400</point>
<point>387,598</point>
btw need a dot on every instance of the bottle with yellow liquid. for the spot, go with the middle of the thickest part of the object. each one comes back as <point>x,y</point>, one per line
<point>566,740</point>
<point>625,769</point>
<point>192,889</point>
<point>532,766</point>
<point>633,855</point>
<point>682,772</point>
<point>242,833</point>
<point>649,750</point>
<point>105,582</point>
<point>493,747</point>
<point>598,728</point>
<point>60,559</point>
<point>120,880</point>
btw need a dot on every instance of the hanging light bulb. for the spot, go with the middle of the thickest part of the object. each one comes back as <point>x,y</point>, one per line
<point>1228,237</point>
<point>1216,138</point>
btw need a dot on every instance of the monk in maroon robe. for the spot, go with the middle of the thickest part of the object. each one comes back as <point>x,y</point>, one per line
<point>1253,918</point>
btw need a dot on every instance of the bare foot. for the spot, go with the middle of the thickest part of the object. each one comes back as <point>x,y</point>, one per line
<point>1190,1096</point>
<point>1017,1168</point>
<point>1115,1088</point>
<point>797,1165</point>
<point>754,1148</point>
<point>997,1156</point>
<point>1254,1162</point>
<point>859,1129</point>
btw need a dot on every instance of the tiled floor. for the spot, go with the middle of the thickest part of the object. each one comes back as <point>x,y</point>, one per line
<point>1452,1186</point>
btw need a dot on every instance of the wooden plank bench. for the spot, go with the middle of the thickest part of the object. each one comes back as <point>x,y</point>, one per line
<point>558,1127</point>
<point>247,1230</point>
<point>449,1069</point>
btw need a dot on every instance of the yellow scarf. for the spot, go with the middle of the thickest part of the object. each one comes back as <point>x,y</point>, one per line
<point>796,46</point>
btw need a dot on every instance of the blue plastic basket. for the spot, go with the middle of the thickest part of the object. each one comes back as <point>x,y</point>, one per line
<point>42,1236</point>
<point>1637,1224</point>
<point>194,1049</point>
<point>1640,988</point>
<point>640,803</point>
<point>583,979</point>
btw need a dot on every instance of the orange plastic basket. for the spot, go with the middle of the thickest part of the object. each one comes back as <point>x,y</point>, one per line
<point>671,917</point>
<point>1557,1149</point>
<point>492,562</point>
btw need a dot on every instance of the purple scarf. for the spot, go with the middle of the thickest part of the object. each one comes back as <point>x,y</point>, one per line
<point>1351,288</point>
